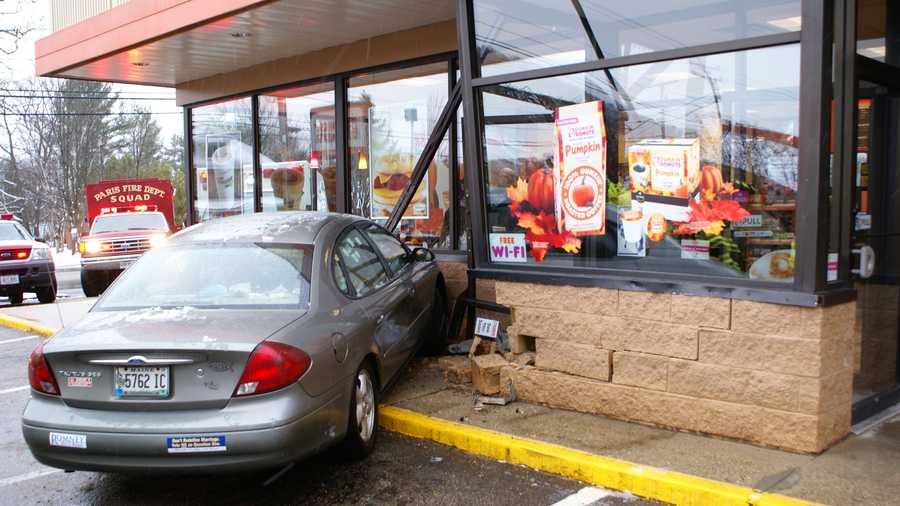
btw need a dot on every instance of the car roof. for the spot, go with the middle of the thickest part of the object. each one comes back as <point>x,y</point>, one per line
<point>287,226</point>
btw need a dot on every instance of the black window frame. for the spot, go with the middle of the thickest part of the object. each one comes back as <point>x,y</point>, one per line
<point>808,288</point>
<point>340,81</point>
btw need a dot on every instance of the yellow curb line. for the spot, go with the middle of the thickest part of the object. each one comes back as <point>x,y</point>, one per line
<point>25,325</point>
<point>644,481</point>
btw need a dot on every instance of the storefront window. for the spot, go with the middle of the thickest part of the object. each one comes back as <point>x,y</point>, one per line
<point>297,152</point>
<point>222,165</point>
<point>391,115</point>
<point>515,35</point>
<point>685,166</point>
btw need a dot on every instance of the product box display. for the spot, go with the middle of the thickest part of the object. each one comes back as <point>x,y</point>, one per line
<point>664,175</point>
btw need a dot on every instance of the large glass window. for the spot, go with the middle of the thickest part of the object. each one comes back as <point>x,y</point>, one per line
<point>391,115</point>
<point>222,165</point>
<point>878,30</point>
<point>297,149</point>
<point>685,166</point>
<point>515,35</point>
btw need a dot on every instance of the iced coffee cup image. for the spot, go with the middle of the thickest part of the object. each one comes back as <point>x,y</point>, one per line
<point>632,224</point>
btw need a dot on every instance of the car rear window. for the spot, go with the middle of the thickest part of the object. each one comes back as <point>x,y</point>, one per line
<point>12,232</point>
<point>129,221</point>
<point>233,275</point>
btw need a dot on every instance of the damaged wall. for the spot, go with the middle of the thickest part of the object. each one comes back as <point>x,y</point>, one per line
<point>769,374</point>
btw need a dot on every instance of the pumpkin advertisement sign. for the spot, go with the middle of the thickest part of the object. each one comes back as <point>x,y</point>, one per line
<point>580,171</point>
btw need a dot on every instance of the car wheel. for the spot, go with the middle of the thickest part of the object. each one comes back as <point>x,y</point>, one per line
<point>92,283</point>
<point>362,429</point>
<point>436,335</point>
<point>16,298</point>
<point>46,294</point>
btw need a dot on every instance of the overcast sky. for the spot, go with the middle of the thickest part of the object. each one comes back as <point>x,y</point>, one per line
<point>20,65</point>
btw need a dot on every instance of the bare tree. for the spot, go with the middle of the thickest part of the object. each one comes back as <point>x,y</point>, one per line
<point>13,29</point>
<point>137,138</point>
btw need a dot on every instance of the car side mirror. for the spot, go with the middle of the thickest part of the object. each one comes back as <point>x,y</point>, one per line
<point>422,255</point>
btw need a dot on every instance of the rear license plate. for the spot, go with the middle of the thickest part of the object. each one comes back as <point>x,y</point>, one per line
<point>9,279</point>
<point>125,264</point>
<point>142,382</point>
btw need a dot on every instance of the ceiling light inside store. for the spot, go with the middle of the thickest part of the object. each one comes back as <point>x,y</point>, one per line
<point>791,24</point>
<point>877,52</point>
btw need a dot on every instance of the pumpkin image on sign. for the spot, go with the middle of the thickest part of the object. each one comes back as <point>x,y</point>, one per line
<point>540,190</point>
<point>711,183</point>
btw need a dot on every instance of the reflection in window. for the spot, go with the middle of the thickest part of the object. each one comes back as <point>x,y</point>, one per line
<point>222,165</point>
<point>365,269</point>
<point>516,35</point>
<point>700,166</point>
<point>298,154</point>
<point>391,115</point>
<point>876,24</point>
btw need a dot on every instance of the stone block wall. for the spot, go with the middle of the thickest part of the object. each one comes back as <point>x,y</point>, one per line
<point>457,282</point>
<point>769,374</point>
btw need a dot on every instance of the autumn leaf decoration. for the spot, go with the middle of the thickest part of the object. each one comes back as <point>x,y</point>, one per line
<point>710,217</point>
<point>542,232</point>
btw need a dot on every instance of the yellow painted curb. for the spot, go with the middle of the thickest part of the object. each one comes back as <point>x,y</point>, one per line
<point>648,482</point>
<point>25,325</point>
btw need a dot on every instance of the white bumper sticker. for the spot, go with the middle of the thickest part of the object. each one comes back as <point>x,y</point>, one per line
<point>68,440</point>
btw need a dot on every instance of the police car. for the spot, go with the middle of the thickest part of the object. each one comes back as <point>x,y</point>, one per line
<point>26,265</point>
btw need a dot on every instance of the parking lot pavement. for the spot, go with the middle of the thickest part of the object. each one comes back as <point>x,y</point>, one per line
<point>401,471</point>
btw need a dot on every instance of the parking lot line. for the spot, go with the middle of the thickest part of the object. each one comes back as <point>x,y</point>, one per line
<point>27,476</point>
<point>16,340</point>
<point>16,389</point>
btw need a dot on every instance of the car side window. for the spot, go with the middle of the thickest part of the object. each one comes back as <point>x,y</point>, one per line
<point>339,279</point>
<point>363,266</point>
<point>393,251</point>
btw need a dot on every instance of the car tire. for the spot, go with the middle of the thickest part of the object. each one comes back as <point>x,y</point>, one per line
<point>16,298</point>
<point>436,335</point>
<point>92,283</point>
<point>46,294</point>
<point>362,426</point>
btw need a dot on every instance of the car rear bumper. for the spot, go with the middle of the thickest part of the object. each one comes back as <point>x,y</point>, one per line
<point>110,263</point>
<point>121,441</point>
<point>32,275</point>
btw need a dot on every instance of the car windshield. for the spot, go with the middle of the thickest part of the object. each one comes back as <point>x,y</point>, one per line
<point>129,221</point>
<point>236,275</point>
<point>12,232</point>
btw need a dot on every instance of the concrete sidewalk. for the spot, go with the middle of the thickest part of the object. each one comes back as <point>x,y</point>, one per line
<point>863,469</point>
<point>55,316</point>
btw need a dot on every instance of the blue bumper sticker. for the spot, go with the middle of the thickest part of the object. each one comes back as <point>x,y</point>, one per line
<point>195,444</point>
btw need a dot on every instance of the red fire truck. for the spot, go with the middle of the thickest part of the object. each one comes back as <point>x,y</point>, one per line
<point>125,218</point>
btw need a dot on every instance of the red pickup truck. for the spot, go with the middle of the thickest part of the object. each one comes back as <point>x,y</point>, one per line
<point>126,217</point>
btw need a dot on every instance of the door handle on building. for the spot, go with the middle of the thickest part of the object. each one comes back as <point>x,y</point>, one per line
<point>866,262</point>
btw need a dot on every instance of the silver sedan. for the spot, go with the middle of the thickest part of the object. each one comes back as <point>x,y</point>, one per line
<point>246,342</point>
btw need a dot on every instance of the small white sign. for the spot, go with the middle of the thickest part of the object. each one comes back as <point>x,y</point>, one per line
<point>753,233</point>
<point>79,382</point>
<point>508,248</point>
<point>832,271</point>
<point>863,221</point>
<point>694,250</point>
<point>485,327</point>
<point>68,440</point>
<point>754,220</point>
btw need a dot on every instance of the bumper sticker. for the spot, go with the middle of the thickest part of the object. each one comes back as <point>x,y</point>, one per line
<point>77,382</point>
<point>68,440</point>
<point>195,444</point>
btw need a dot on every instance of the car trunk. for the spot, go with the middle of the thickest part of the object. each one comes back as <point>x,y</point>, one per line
<point>158,359</point>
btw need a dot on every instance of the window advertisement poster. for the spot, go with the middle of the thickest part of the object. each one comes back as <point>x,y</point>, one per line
<point>508,248</point>
<point>397,135</point>
<point>580,175</point>
<point>225,176</point>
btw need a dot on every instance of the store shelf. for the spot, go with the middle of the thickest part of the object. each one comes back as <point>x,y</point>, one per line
<point>774,208</point>
<point>769,242</point>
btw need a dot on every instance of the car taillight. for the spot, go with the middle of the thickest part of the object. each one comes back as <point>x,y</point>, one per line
<point>39,374</point>
<point>271,366</point>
